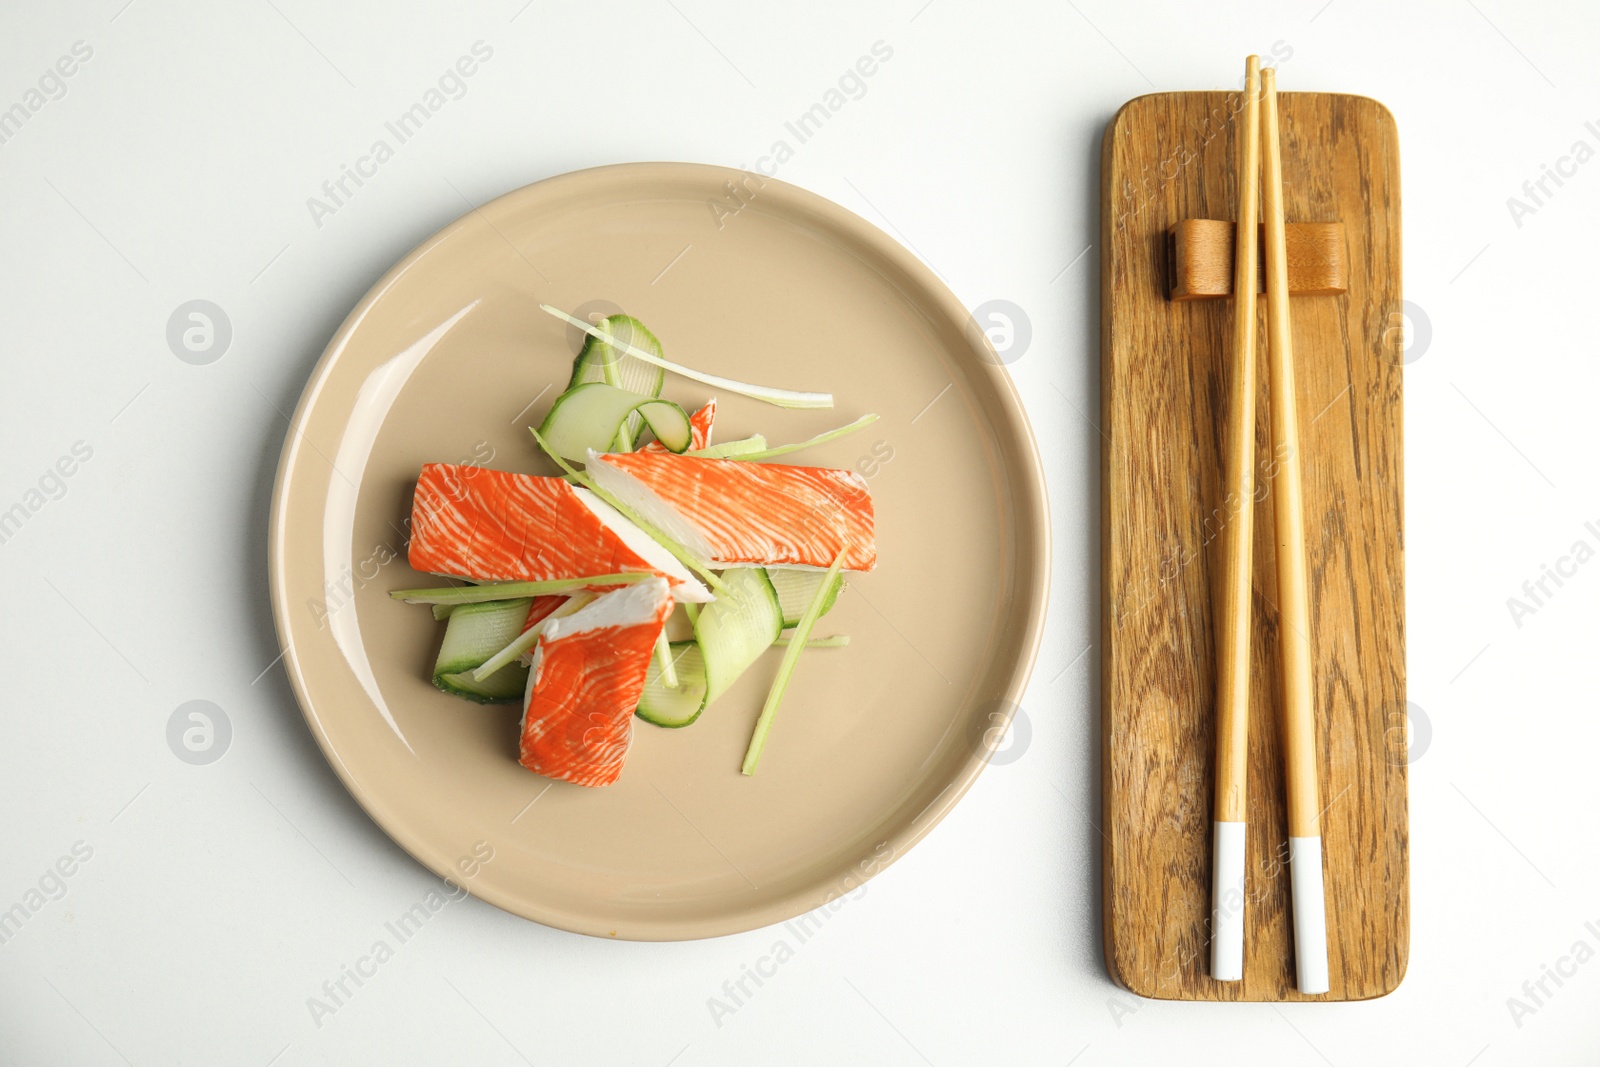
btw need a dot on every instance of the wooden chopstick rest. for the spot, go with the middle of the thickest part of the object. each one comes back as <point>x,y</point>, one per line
<point>1202,253</point>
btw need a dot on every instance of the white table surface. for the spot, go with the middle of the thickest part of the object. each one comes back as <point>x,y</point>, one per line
<point>175,164</point>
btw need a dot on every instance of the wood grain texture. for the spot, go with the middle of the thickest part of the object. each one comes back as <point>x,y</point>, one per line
<point>1166,158</point>
<point>1202,258</point>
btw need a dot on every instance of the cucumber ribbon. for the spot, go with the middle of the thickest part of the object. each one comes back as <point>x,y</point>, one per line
<point>590,416</point>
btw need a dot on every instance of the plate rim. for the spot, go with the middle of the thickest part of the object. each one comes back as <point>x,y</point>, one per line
<point>1032,514</point>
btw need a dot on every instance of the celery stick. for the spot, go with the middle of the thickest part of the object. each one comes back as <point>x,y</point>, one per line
<point>791,656</point>
<point>478,594</point>
<point>821,438</point>
<point>784,398</point>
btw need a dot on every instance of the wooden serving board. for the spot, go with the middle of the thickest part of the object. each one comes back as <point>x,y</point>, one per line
<point>1167,158</point>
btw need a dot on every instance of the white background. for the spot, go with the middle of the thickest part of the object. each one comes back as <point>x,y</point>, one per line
<point>219,898</point>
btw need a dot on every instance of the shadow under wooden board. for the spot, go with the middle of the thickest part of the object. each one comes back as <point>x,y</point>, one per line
<point>1167,158</point>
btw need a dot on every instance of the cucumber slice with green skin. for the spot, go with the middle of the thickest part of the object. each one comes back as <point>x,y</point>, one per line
<point>505,686</point>
<point>592,416</point>
<point>474,633</point>
<point>525,641</point>
<point>795,588</point>
<point>678,707</point>
<point>600,361</point>
<point>734,629</point>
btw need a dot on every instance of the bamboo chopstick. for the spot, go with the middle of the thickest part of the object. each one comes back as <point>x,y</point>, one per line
<point>1294,614</point>
<point>1233,654</point>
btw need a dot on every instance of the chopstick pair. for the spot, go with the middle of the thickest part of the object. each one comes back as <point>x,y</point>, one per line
<point>1308,908</point>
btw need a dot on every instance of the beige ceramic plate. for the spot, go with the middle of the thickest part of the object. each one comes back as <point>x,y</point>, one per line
<point>443,360</point>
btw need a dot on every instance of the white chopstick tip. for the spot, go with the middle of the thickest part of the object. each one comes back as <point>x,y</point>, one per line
<point>1310,915</point>
<point>1227,901</point>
